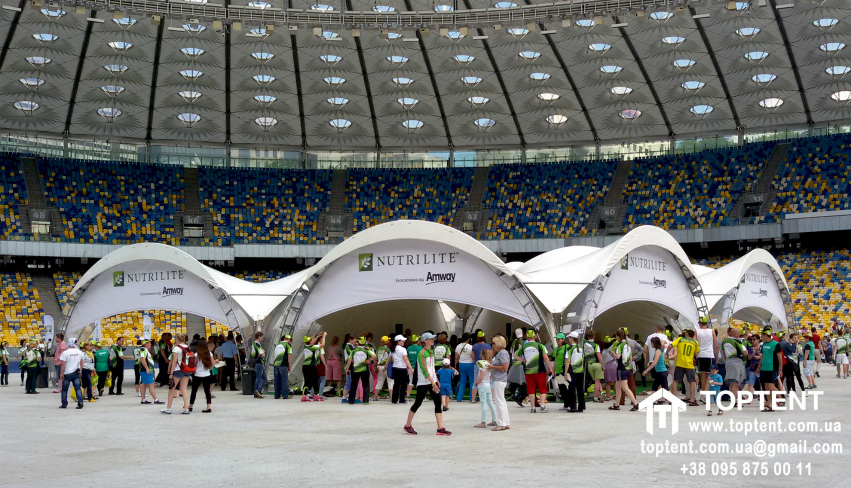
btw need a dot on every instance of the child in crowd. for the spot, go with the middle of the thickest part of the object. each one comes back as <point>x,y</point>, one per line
<point>445,375</point>
<point>483,385</point>
<point>715,382</point>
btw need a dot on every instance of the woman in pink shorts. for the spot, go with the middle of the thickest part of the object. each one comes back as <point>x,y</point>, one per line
<point>334,365</point>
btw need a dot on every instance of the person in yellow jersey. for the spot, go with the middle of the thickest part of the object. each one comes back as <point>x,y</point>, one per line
<point>684,350</point>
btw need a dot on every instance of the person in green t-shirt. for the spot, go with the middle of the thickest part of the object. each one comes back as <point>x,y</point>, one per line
<point>769,365</point>
<point>283,363</point>
<point>809,360</point>
<point>532,353</point>
<point>358,361</point>
<point>382,362</point>
<point>560,373</point>
<point>101,365</point>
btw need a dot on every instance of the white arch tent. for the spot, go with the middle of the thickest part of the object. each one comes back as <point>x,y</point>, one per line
<point>639,281</point>
<point>159,277</point>
<point>751,288</point>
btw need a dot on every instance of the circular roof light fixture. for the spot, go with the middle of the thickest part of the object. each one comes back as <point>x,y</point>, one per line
<point>329,35</point>
<point>837,71</point>
<point>540,77</point>
<point>771,103</point>
<point>31,82</point>
<point>264,100</point>
<point>259,5</point>
<point>331,59</point>
<point>673,40</point>
<point>412,125</point>
<point>340,124</point>
<point>402,82</point>
<point>478,101</point>
<point>337,102</point>
<point>763,78</point>
<point>825,23</point>
<point>263,79</point>
<point>505,4</point>
<point>407,103</point>
<point>120,45</point>
<point>629,114</point>
<point>109,113</point>
<point>334,81</point>
<point>693,85</point>
<point>382,9</point>
<point>26,106</point>
<point>266,122</point>
<point>556,120</point>
<point>548,97</point>
<point>842,96</point>
<point>484,123</point>
<point>661,16</point>
<point>464,58</point>
<point>742,6</point>
<point>702,110</point>
<point>262,57</point>
<point>112,90</point>
<point>53,14</point>
<point>191,74</point>
<point>117,69</point>
<point>124,22</point>
<point>189,119</point>
<point>392,36</point>
<point>611,69</point>
<point>198,28</point>
<point>529,55</point>
<point>684,63</point>
<point>587,23</point>
<point>192,52</point>
<point>45,37</point>
<point>397,60</point>
<point>189,95</point>
<point>756,56</point>
<point>38,61</point>
<point>832,47</point>
<point>455,35</point>
<point>443,8</point>
<point>321,7</point>
<point>747,32</point>
<point>471,80</point>
<point>621,91</point>
<point>600,47</point>
<point>518,32</point>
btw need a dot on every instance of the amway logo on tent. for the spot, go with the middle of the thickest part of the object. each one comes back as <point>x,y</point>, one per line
<point>440,278</point>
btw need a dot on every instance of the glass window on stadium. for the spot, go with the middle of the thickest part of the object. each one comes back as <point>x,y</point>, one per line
<point>632,150</point>
<point>587,153</point>
<point>700,144</point>
<point>342,160</point>
<point>391,159</point>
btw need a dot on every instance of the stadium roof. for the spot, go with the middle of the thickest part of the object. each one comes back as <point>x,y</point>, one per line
<point>484,75</point>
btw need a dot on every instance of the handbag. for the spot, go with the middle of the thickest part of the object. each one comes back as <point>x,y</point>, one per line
<point>390,371</point>
<point>109,379</point>
<point>320,369</point>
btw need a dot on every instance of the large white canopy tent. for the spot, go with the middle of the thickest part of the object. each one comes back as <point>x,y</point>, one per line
<point>752,289</point>
<point>639,281</point>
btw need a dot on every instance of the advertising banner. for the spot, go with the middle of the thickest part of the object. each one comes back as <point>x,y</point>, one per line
<point>145,285</point>
<point>147,325</point>
<point>406,270</point>
<point>49,328</point>
<point>96,331</point>
<point>758,289</point>
<point>650,274</point>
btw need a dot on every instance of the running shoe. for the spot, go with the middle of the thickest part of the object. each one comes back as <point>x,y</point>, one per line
<point>166,411</point>
<point>304,399</point>
<point>186,412</point>
<point>443,432</point>
<point>410,430</point>
<point>145,402</point>
<point>159,402</point>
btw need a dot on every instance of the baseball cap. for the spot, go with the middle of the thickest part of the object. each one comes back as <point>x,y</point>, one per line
<point>574,334</point>
<point>446,361</point>
<point>400,337</point>
<point>307,339</point>
<point>361,340</point>
<point>766,330</point>
<point>518,332</point>
<point>287,336</point>
<point>530,333</point>
<point>480,333</point>
<point>415,338</point>
<point>385,339</point>
<point>428,335</point>
<point>781,333</point>
<point>703,319</point>
<point>560,336</point>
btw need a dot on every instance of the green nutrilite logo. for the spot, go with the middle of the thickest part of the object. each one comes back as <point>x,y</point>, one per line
<point>625,262</point>
<point>365,262</point>
<point>118,278</point>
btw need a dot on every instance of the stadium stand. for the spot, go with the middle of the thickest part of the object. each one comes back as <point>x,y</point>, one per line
<point>381,195</point>
<point>265,205</point>
<point>114,203</point>
<point>21,311</point>
<point>544,200</point>
<point>13,194</point>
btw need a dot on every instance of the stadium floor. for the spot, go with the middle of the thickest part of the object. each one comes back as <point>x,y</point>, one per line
<point>249,442</point>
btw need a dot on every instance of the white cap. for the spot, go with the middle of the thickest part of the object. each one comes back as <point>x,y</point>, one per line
<point>518,332</point>
<point>72,342</point>
<point>446,361</point>
<point>574,334</point>
<point>400,337</point>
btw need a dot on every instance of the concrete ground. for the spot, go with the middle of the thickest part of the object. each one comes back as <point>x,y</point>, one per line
<point>250,442</point>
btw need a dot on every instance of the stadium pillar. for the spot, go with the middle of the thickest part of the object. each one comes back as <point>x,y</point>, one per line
<point>740,132</point>
<point>227,154</point>
<point>523,155</point>
<point>451,162</point>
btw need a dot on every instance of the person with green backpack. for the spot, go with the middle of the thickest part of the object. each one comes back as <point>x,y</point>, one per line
<point>735,355</point>
<point>358,361</point>
<point>574,364</point>
<point>532,353</point>
<point>283,364</point>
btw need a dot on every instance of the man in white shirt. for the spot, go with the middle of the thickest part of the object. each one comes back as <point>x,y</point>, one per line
<point>69,366</point>
<point>708,351</point>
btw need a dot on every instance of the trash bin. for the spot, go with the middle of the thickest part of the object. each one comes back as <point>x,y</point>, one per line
<point>42,377</point>
<point>248,377</point>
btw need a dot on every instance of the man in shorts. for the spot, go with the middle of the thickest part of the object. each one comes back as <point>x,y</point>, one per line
<point>686,348</point>
<point>735,355</point>
<point>594,364</point>
<point>707,352</point>
<point>840,345</point>
<point>817,343</point>
<point>769,365</point>
<point>532,353</point>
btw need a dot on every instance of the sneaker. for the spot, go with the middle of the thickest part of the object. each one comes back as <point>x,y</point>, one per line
<point>55,391</point>
<point>445,409</point>
<point>304,399</point>
<point>79,406</point>
<point>166,411</point>
<point>257,394</point>
<point>159,402</point>
<point>443,432</point>
<point>344,400</point>
<point>544,409</point>
<point>186,412</point>
<point>404,403</point>
<point>410,430</point>
<point>138,394</point>
<point>533,410</point>
<point>145,402</point>
<point>837,375</point>
<point>63,406</point>
<point>319,399</point>
<point>818,375</point>
<point>92,400</point>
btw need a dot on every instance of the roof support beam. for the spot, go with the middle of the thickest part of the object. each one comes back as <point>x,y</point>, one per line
<point>717,67</point>
<point>227,90</point>
<point>86,37</point>
<point>366,87</point>
<point>433,81</point>
<point>154,79</point>
<point>15,20</point>
<point>298,91</point>
<point>792,61</point>
<point>647,80</point>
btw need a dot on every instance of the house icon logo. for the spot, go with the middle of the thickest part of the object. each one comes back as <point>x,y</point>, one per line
<point>674,407</point>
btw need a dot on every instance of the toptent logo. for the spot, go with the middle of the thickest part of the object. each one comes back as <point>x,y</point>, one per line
<point>118,278</point>
<point>674,407</point>
<point>365,262</point>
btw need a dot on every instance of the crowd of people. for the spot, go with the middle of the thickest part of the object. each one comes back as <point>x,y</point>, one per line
<point>414,368</point>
